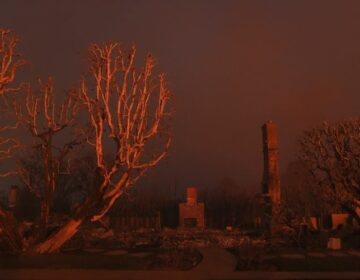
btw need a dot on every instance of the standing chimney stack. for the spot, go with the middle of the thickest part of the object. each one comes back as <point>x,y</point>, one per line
<point>191,213</point>
<point>191,196</point>
<point>271,178</point>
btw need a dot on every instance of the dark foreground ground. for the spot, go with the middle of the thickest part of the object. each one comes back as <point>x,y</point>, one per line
<point>116,259</point>
<point>42,274</point>
<point>216,263</point>
<point>185,255</point>
<point>297,260</point>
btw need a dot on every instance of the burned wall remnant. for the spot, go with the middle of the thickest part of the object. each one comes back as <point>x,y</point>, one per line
<point>271,177</point>
<point>191,213</point>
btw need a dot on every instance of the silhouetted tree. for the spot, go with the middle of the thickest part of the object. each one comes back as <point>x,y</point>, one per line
<point>331,153</point>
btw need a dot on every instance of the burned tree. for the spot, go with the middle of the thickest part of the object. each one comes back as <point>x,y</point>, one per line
<point>128,114</point>
<point>129,108</point>
<point>125,106</point>
<point>45,120</point>
<point>10,62</point>
<point>331,153</point>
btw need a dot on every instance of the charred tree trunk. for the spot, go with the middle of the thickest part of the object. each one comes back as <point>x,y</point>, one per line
<point>44,220</point>
<point>9,233</point>
<point>49,178</point>
<point>53,243</point>
<point>56,241</point>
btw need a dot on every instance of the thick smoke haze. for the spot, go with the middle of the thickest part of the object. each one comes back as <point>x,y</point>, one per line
<point>231,65</point>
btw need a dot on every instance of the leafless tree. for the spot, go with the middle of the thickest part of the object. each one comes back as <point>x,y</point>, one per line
<point>45,120</point>
<point>10,62</point>
<point>128,108</point>
<point>125,106</point>
<point>331,153</point>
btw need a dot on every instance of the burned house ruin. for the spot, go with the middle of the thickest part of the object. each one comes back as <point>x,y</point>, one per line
<point>191,213</point>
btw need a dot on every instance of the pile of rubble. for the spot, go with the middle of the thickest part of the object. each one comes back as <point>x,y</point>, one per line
<point>182,238</point>
<point>140,239</point>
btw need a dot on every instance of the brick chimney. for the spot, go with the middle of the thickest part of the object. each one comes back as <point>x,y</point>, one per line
<point>191,196</point>
<point>191,213</point>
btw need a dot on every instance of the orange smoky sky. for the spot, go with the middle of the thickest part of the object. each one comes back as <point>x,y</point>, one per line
<point>231,65</point>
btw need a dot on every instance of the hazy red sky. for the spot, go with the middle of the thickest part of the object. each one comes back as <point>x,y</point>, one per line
<point>231,64</point>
